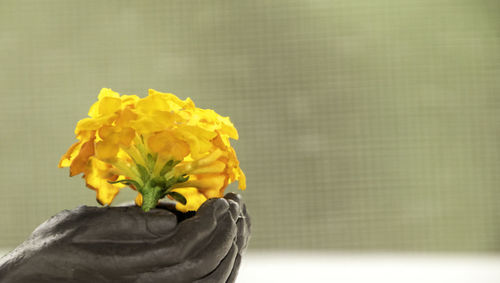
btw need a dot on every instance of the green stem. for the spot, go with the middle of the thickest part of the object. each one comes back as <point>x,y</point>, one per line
<point>150,196</point>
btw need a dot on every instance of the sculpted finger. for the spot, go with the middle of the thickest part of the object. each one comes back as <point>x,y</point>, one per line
<point>62,222</point>
<point>243,221</point>
<point>220,245</point>
<point>243,236</point>
<point>25,261</point>
<point>244,227</point>
<point>224,270</point>
<point>235,269</point>
<point>239,246</point>
<point>194,233</point>
<point>203,261</point>
<point>234,209</point>
<point>234,197</point>
<point>123,224</point>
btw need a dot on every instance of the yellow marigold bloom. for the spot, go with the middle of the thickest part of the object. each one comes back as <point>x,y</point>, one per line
<point>159,145</point>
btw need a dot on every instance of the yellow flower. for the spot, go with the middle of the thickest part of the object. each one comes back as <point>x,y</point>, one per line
<point>159,145</point>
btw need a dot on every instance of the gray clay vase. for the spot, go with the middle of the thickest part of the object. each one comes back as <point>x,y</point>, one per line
<point>125,244</point>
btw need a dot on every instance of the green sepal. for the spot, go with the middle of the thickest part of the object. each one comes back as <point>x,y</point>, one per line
<point>126,182</point>
<point>168,166</point>
<point>159,181</point>
<point>178,197</point>
<point>174,180</point>
<point>150,161</point>
<point>144,173</point>
<point>183,178</point>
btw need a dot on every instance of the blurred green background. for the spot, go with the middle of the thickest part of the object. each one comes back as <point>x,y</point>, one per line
<point>364,125</point>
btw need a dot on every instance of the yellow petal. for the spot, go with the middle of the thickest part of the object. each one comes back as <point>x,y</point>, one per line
<point>80,162</point>
<point>197,138</point>
<point>228,127</point>
<point>92,124</point>
<point>125,118</point>
<point>85,135</point>
<point>138,199</point>
<point>165,118</point>
<point>145,125</point>
<point>193,197</point>
<point>106,193</point>
<point>157,142</point>
<point>70,155</point>
<point>109,105</point>
<point>128,100</point>
<point>152,103</point>
<point>214,167</point>
<point>168,146</point>
<point>171,101</point>
<point>107,92</point>
<point>94,110</point>
<point>105,132</point>
<point>97,176</point>
<point>106,150</point>
<point>242,180</point>
<point>126,136</point>
<point>221,141</point>
<point>188,104</point>
<point>212,157</point>
<point>211,185</point>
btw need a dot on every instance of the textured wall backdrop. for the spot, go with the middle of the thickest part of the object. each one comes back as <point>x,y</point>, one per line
<point>364,125</point>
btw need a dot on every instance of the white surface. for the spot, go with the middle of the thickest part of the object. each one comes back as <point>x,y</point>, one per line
<point>372,268</point>
<point>301,267</point>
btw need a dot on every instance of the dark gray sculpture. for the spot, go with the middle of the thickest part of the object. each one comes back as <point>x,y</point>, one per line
<point>126,244</point>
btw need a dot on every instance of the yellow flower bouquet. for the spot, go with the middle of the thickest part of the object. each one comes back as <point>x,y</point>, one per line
<point>160,146</point>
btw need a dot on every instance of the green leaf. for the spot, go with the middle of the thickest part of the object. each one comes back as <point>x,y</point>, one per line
<point>170,182</point>
<point>158,181</point>
<point>178,197</point>
<point>168,166</point>
<point>144,173</point>
<point>126,182</point>
<point>183,178</point>
<point>174,180</point>
<point>150,160</point>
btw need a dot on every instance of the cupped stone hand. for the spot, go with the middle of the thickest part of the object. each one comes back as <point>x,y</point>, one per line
<point>125,244</point>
